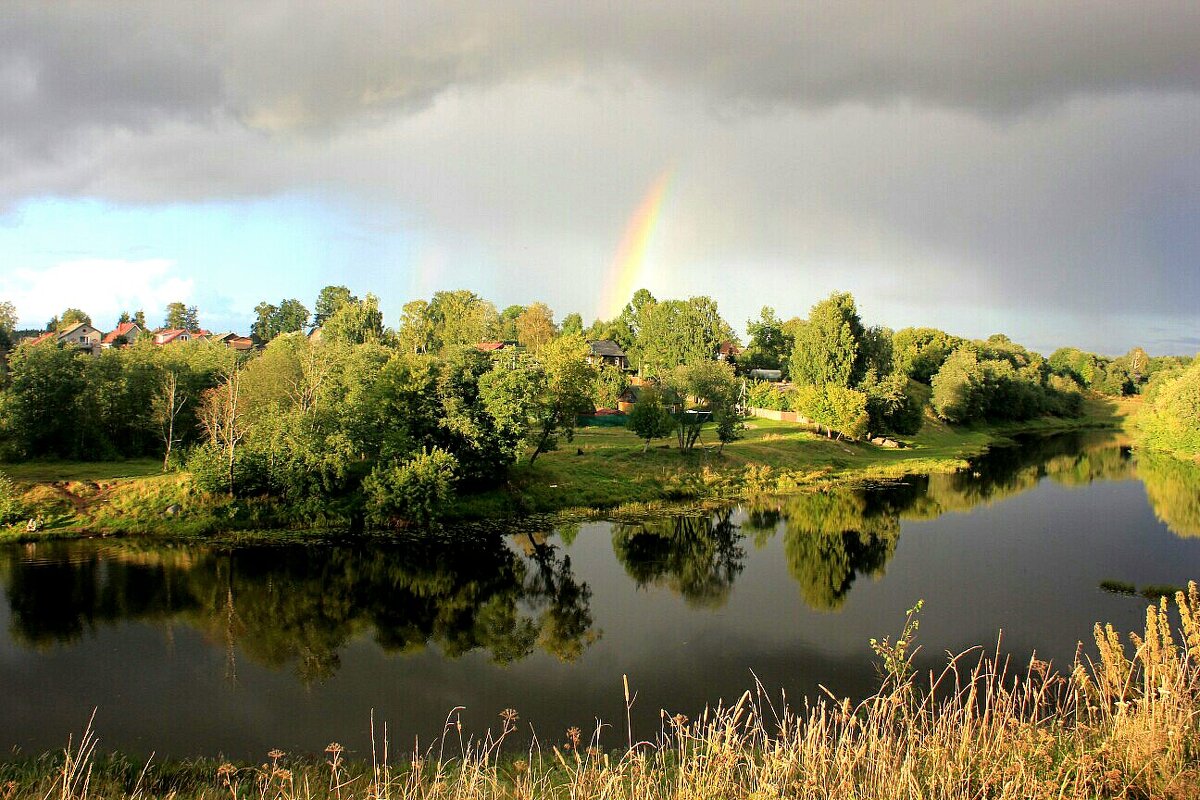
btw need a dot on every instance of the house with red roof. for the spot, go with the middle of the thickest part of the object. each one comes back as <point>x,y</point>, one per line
<point>173,335</point>
<point>80,336</point>
<point>125,334</point>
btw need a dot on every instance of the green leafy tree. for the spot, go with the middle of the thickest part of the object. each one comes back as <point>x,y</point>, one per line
<point>287,317</point>
<point>461,319</point>
<point>566,393</point>
<point>1170,419</point>
<point>828,347</point>
<point>650,418</point>
<point>572,324</point>
<point>770,346</point>
<point>183,317</point>
<point>895,404</point>
<point>8,324</point>
<point>920,352</point>
<point>507,323</point>
<point>714,390</point>
<point>329,300</point>
<point>675,332</point>
<point>611,382</point>
<point>355,323</point>
<point>416,334</point>
<point>72,316</point>
<point>417,491</point>
<point>535,327</point>
<point>839,410</point>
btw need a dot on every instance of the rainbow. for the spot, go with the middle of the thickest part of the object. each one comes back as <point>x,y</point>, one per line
<point>626,275</point>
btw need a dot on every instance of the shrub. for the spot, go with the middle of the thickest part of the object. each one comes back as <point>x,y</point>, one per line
<point>207,465</point>
<point>836,408</point>
<point>11,507</point>
<point>416,491</point>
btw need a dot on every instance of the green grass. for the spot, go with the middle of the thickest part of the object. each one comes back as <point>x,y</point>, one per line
<point>604,470</point>
<point>66,471</point>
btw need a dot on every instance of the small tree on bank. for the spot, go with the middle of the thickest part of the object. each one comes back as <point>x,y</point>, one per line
<point>650,418</point>
<point>168,401</point>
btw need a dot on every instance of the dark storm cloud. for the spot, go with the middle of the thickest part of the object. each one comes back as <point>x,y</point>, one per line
<point>1003,157</point>
<point>280,65</point>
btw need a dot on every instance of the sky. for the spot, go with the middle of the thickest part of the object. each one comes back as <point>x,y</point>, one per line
<point>1022,167</point>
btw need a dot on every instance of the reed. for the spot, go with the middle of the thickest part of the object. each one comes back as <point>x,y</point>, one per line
<point>1123,723</point>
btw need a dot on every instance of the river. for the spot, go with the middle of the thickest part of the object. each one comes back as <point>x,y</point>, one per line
<point>190,650</point>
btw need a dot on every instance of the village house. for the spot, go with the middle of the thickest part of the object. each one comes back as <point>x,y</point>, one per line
<point>237,342</point>
<point>125,334</point>
<point>728,351</point>
<point>172,335</point>
<point>80,336</point>
<point>606,353</point>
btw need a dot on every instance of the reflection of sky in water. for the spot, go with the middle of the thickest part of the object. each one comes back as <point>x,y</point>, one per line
<point>690,611</point>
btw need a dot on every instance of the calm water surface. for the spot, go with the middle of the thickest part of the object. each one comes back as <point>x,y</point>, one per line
<point>195,650</point>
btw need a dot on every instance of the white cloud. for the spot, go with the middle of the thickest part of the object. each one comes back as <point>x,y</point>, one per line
<point>103,287</point>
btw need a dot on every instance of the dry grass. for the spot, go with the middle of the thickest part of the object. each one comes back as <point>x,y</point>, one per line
<point>1124,723</point>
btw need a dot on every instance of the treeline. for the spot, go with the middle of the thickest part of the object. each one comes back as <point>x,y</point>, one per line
<point>391,422</point>
<point>1170,420</point>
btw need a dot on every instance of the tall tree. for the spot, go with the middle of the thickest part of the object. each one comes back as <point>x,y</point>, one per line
<point>507,325</point>
<point>416,328</point>
<point>168,401</point>
<point>72,316</point>
<point>355,323</point>
<point>329,300</point>
<point>572,324</point>
<point>535,326</point>
<point>770,347</point>
<point>272,320</point>
<point>828,347</point>
<point>222,417</point>
<point>182,317</point>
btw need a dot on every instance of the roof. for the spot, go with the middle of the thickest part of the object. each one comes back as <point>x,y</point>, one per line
<point>124,329</point>
<point>44,337</point>
<point>606,349</point>
<point>167,335</point>
<point>67,331</point>
<point>491,347</point>
<point>729,349</point>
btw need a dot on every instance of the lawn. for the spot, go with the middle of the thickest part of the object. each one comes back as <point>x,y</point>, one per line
<point>66,471</point>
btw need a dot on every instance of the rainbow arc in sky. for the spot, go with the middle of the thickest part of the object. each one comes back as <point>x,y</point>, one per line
<point>627,273</point>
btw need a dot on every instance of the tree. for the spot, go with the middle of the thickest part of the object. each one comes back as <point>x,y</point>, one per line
<point>535,326</point>
<point>674,332</point>
<point>329,300</point>
<point>572,324</point>
<point>139,319</point>
<point>770,347</point>
<point>713,387</point>
<point>355,323</point>
<point>416,328</point>
<point>506,329</point>
<point>221,416</point>
<point>1171,419</point>
<point>566,394</point>
<point>287,317</point>
<point>72,316</point>
<point>828,347</point>
<point>461,318</point>
<point>181,317</point>
<point>839,409</point>
<point>416,491</point>
<point>8,324</point>
<point>650,418</point>
<point>168,401</point>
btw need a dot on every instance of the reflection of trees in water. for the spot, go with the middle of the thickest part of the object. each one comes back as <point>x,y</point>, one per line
<point>301,605</point>
<point>1173,489</point>
<point>832,538</point>
<point>697,557</point>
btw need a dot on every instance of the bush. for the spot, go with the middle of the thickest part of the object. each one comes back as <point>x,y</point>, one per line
<point>767,395</point>
<point>11,508</point>
<point>207,465</point>
<point>895,404</point>
<point>416,491</point>
<point>837,408</point>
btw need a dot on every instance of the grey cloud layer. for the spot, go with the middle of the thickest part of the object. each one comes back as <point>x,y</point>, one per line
<point>902,150</point>
<point>281,65</point>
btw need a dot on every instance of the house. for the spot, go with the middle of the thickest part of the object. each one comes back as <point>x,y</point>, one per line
<point>237,342</point>
<point>173,335</point>
<point>728,351</point>
<point>496,347</point>
<point>80,336</point>
<point>126,333</point>
<point>604,352</point>
<point>633,393</point>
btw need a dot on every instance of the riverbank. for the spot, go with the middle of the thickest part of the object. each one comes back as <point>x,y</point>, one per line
<point>604,471</point>
<point>1114,725</point>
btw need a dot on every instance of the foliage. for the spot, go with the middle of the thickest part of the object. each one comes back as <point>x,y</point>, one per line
<point>460,318</point>
<point>763,394</point>
<point>288,316</point>
<point>999,382</point>
<point>714,391</point>
<point>920,352</point>
<point>11,507</point>
<point>1170,419</point>
<point>355,322</point>
<point>770,346</point>
<point>674,332</point>
<point>828,346</point>
<point>329,301</point>
<point>611,382</point>
<point>535,326</point>
<point>839,410</point>
<point>180,316</point>
<point>650,418</point>
<point>72,316</point>
<point>572,324</point>
<point>895,404</point>
<point>416,491</point>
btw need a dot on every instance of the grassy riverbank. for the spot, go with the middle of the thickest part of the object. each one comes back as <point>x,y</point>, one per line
<point>1123,722</point>
<point>604,470</point>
